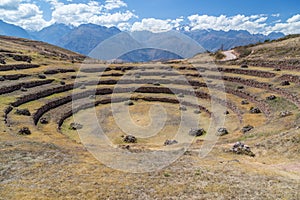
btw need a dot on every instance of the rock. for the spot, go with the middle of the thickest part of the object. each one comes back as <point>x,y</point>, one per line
<point>277,69</point>
<point>240,87</point>
<point>246,129</point>
<point>82,87</point>
<point>24,131</point>
<point>75,126</point>
<point>92,97</point>
<point>270,98</point>
<point>244,102</point>
<point>130,139</point>
<point>156,83</point>
<point>44,120</point>
<point>222,131</point>
<point>285,113</point>
<point>129,103</point>
<point>285,83</point>
<point>180,95</point>
<point>163,76</point>
<point>2,78</point>
<point>42,76</point>
<point>23,89</point>
<point>197,132</point>
<point>23,112</point>
<point>244,66</point>
<point>182,108</point>
<point>226,112</point>
<point>170,142</point>
<point>137,76</point>
<point>241,148</point>
<point>197,111</point>
<point>255,110</point>
<point>2,61</point>
<point>62,82</point>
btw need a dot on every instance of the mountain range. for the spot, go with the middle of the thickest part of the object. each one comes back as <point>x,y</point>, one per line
<point>84,38</point>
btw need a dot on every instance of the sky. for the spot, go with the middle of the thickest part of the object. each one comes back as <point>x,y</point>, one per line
<point>255,16</point>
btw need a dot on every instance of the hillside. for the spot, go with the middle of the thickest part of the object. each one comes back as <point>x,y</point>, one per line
<point>68,124</point>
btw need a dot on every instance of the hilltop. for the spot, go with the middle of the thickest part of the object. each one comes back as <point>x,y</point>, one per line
<point>55,102</point>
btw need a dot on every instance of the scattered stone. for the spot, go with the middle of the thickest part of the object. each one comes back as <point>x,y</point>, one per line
<point>285,113</point>
<point>244,66</point>
<point>163,76</point>
<point>75,126</point>
<point>240,87</point>
<point>23,112</point>
<point>197,111</point>
<point>129,103</point>
<point>170,142</point>
<point>277,69</point>
<point>92,96</point>
<point>137,76</point>
<point>23,89</point>
<point>130,139</point>
<point>242,149</point>
<point>44,120</point>
<point>202,70</point>
<point>82,87</point>
<point>226,112</point>
<point>183,108</point>
<point>180,95</point>
<point>246,129</point>
<point>24,131</point>
<point>2,61</point>
<point>197,132</point>
<point>244,102</point>
<point>42,76</point>
<point>285,83</point>
<point>270,98</point>
<point>222,131</point>
<point>255,110</point>
<point>62,82</point>
<point>2,78</point>
<point>156,83</point>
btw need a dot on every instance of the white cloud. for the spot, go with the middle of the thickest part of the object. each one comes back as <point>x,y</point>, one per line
<point>156,25</point>
<point>113,4</point>
<point>291,26</point>
<point>28,16</point>
<point>9,4</point>
<point>253,23</point>
<point>76,14</point>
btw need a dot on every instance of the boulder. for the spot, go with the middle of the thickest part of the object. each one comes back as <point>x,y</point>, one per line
<point>23,112</point>
<point>285,83</point>
<point>240,87</point>
<point>182,108</point>
<point>75,126</point>
<point>2,78</point>
<point>130,139</point>
<point>246,129</point>
<point>285,113</point>
<point>170,142</point>
<point>197,132</point>
<point>23,89</point>
<point>44,120</point>
<point>242,149</point>
<point>129,103</point>
<point>42,76</point>
<point>226,112</point>
<point>197,111</point>
<point>222,131</point>
<point>24,131</point>
<point>156,83</point>
<point>255,110</point>
<point>244,66</point>
<point>270,98</point>
<point>244,102</point>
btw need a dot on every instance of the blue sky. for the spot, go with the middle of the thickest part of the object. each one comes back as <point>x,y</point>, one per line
<point>256,16</point>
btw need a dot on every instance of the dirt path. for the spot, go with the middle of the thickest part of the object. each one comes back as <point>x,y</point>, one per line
<point>229,55</point>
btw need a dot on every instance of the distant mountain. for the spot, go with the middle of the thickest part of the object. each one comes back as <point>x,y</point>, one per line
<point>214,40</point>
<point>147,55</point>
<point>52,34</point>
<point>12,30</point>
<point>85,38</point>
